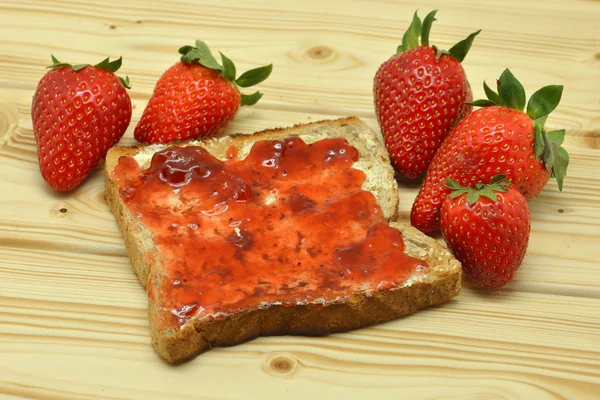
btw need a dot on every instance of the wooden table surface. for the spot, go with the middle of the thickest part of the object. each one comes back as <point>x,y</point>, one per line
<point>73,318</point>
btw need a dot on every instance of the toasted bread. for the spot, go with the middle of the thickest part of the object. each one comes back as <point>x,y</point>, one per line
<point>438,283</point>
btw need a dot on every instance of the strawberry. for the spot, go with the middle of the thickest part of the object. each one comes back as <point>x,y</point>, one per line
<point>196,97</point>
<point>487,229</point>
<point>498,138</point>
<point>420,93</point>
<point>78,113</point>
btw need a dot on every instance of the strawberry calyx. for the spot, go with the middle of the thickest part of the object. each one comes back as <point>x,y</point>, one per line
<point>497,184</point>
<point>201,54</point>
<point>106,64</point>
<point>547,145</point>
<point>420,30</point>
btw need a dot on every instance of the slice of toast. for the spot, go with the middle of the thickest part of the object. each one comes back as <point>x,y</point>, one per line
<point>317,314</point>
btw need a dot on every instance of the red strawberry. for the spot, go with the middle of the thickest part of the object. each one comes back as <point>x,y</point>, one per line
<point>420,93</point>
<point>499,138</point>
<point>78,113</point>
<point>196,97</point>
<point>487,229</point>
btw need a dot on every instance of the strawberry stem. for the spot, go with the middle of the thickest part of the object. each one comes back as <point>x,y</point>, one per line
<point>497,184</point>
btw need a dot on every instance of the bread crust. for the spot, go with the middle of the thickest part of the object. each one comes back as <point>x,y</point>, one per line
<point>437,285</point>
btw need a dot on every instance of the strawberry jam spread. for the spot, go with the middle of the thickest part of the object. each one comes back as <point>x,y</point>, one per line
<point>289,224</point>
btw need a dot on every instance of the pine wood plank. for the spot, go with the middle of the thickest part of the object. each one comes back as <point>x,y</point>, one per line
<point>517,345</point>
<point>325,53</point>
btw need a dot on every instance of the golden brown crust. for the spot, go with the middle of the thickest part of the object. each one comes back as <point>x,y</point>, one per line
<point>439,284</point>
<point>310,320</point>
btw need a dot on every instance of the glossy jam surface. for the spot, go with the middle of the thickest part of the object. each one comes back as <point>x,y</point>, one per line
<point>289,224</point>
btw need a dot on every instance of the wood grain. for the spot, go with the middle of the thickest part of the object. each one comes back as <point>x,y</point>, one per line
<point>517,340</point>
<point>73,321</point>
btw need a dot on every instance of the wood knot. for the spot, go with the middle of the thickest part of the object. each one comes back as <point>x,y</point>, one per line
<point>283,365</point>
<point>320,52</point>
<point>60,210</point>
<point>323,58</point>
<point>9,120</point>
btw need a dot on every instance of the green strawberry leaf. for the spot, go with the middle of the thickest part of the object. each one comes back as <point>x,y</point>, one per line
<point>555,157</point>
<point>548,154</point>
<point>481,103</point>
<point>490,194</point>
<point>254,76</point>
<point>125,82</point>
<point>203,47</point>
<point>561,162</point>
<point>57,64</point>
<point>459,50</point>
<point>189,54</point>
<point>201,53</point>
<point>472,196</point>
<point>410,39</point>
<point>426,28</point>
<point>541,121</point>
<point>458,192</point>
<point>493,96</point>
<point>228,68</point>
<point>251,99</point>
<point>185,49</point>
<point>557,136</point>
<point>544,101</point>
<point>497,184</point>
<point>497,179</point>
<point>452,184</point>
<point>107,65</point>
<point>539,142</point>
<point>207,58</point>
<point>511,91</point>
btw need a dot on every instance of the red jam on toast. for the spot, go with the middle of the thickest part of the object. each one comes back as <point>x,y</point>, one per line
<point>289,224</point>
